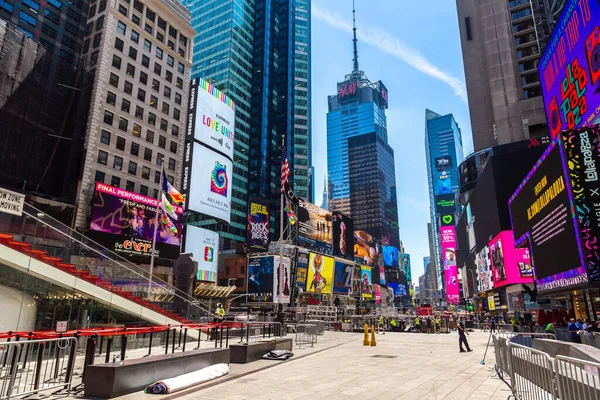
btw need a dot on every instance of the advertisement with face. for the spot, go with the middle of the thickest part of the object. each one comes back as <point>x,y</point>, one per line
<point>123,222</point>
<point>569,70</point>
<point>260,279</point>
<point>210,184</point>
<point>320,274</point>
<point>366,248</point>
<point>484,273</point>
<point>377,291</point>
<point>448,236</point>
<point>281,295</point>
<point>366,283</point>
<point>343,235</point>
<point>344,273</point>
<point>258,225</point>
<point>405,267</point>
<point>314,225</point>
<point>390,256</point>
<point>204,245</point>
<point>302,269</point>
<point>509,264</point>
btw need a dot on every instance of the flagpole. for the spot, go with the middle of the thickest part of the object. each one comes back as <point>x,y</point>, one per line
<point>281,232</point>
<point>162,172</point>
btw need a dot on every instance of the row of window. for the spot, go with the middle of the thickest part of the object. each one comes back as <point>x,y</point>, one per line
<point>133,166</point>
<point>129,185</point>
<point>106,136</point>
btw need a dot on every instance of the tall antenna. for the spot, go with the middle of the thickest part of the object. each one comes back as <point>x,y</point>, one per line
<point>355,40</point>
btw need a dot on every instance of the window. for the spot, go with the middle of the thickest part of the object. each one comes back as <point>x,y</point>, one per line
<point>96,42</point>
<point>125,105</point>
<point>150,14</point>
<point>160,37</point>
<point>132,53</point>
<point>171,164</point>
<point>181,52</point>
<point>150,137</point>
<point>170,60</point>
<point>108,117</point>
<point>122,10</point>
<point>105,137</point>
<point>128,88</point>
<point>113,80</point>
<point>468,28</point>
<point>147,152</point>
<point>132,168</point>
<point>164,124</point>
<point>157,173</point>
<point>171,45</point>
<point>33,5</point>
<point>118,163</point>
<point>141,95</point>
<point>135,149</point>
<point>139,112</point>
<point>182,40</point>
<point>121,28</point>
<point>138,6</point>
<point>159,53</point>
<point>143,77</point>
<point>145,173</point>
<point>120,143</point>
<point>172,32</point>
<point>100,176</point>
<point>115,181</point>
<point>146,61</point>
<point>102,157</point>
<point>157,68</point>
<point>135,37</point>
<point>180,68</point>
<point>93,57</point>
<point>153,102</point>
<point>179,83</point>
<point>47,30</point>
<point>162,142</point>
<point>111,98</point>
<point>28,19</point>
<point>135,19</point>
<point>50,15</point>
<point>116,62</point>
<point>144,190</point>
<point>6,6</point>
<point>155,85</point>
<point>130,186</point>
<point>119,44</point>
<point>167,92</point>
<point>137,130</point>
<point>173,147</point>
<point>169,76</point>
<point>155,195</point>
<point>165,108</point>
<point>130,70</point>
<point>148,28</point>
<point>55,3</point>
<point>151,119</point>
<point>176,114</point>
<point>102,6</point>
<point>159,158</point>
<point>174,130</point>
<point>147,45</point>
<point>123,124</point>
<point>177,98</point>
<point>162,24</point>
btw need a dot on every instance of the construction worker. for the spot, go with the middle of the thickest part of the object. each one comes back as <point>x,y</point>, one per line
<point>219,313</point>
<point>417,324</point>
<point>394,324</point>
<point>438,324</point>
<point>381,327</point>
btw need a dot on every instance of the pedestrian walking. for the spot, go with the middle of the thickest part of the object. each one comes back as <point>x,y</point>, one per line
<point>417,325</point>
<point>493,324</point>
<point>461,336</point>
<point>438,324</point>
<point>429,325</point>
<point>381,328</point>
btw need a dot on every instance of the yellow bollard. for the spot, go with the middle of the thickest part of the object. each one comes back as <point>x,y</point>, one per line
<point>373,342</point>
<point>366,340</point>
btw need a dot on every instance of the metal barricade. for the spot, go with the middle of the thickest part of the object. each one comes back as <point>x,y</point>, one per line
<point>563,334</point>
<point>502,356</point>
<point>588,338</point>
<point>596,336</point>
<point>33,366</point>
<point>531,374</point>
<point>306,334</point>
<point>577,379</point>
<point>256,331</point>
<point>319,324</point>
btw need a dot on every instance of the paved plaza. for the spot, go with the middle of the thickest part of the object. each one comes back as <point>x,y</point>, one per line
<point>401,366</point>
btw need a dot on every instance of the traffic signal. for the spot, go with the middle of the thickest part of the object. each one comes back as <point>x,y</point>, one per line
<point>470,307</point>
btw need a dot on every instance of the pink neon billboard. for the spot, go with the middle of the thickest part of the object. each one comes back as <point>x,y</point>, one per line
<point>509,265</point>
<point>448,236</point>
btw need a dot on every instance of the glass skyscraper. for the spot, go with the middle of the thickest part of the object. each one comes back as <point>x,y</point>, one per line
<point>443,154</point>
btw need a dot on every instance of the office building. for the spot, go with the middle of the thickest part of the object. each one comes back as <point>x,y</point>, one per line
<point>140,54</point>
<point>502,42</point>
<point>443,154</point>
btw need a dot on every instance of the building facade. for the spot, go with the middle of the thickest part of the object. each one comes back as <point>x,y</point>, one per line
<point>443,154</point>
<point>502,42</point>
<point>140,55</point>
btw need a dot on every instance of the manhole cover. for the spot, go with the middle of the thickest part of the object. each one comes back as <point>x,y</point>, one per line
<point>383,356</point>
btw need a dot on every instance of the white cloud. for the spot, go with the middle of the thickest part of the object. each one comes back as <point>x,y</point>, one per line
<point>390,44</point>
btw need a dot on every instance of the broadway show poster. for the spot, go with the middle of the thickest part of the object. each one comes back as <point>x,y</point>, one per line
<point>366,283</point>
<point>356,280</point>
<point>343,235</point>
<point>258,225</point>
<point>320,274</point>
<point>314,225</point>
<point>277,283</point>
<point>260,279</point>
<point>302,269</point>
<point>123,222</point>
<point>344,273</point>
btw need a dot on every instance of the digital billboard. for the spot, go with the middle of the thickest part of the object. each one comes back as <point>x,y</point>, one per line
<point>215,118</point>
<point>282,286</point>
<point>366,282</point>
<point>543,215</point>
<point>320,274</point>
<point>390,256</point>
<point>509,265</point>
<point>204,245</point>
<point>443,163</point>
<point>485,279</point>
<point>405,267</point>
<point>210,184</point>
<point>257,233</point>
<point>445,203</point>
<point>570,68</point>
<point>447,219</point>
<point>301,269</point>
<point>366,248</point>
<point>448,236</point>
<point>314,225</point>
<point>343,235</point>
<point>123,222</point>
<point>356,281</point>
<point>443,184</point>
<point>382,280</point>
<point>342,282</point>
<point>260,279</point>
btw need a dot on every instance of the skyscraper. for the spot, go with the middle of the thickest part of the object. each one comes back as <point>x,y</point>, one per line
<point>357,149</point>
<point>502,42</point>
<point>258,54</point>
<point>443,153</point>
<point>325,201</point>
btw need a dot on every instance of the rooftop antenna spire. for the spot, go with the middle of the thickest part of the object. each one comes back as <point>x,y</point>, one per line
<point>355,40</point>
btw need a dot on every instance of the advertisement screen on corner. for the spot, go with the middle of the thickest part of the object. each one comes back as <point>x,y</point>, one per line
<point>509,265</point>
<point>448,236</point>
<point>204,245</point>
<point>314,225</point>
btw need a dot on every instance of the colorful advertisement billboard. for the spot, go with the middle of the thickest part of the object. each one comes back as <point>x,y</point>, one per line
<point>301,269</point>
<point>343,235</point>
<point>485,279</point>
<point>320,274</point>
<point>448,236</point>
<point>447,220</point>
<point>569,70</point>
<point>257,233</point>
<point>382,276</point>
<point>356,282</point>
<point>210,184</point>
<point>443,163</point>
<point>445,204</point>
<point>204,245</point>
<point>405,267</point>
<point>509,265</point>
<point>344,273</point>
<point>366,248</point>
<point>390,256</point>
<point>215,118</point>
<point>281,295</point>
<point>260,279</point>
<point>366,282</point>
<point>314,225</point>
<point>123,222</point>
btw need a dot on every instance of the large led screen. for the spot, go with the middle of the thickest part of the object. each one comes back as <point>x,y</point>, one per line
<point>281,285</point>
<point>257,233</point>
<point>204,245</point>
<point>343,235</point>
<point>366,282</point>
<point>344,273</point>
<point>314,225</point>
<point>406,268</point>
<point>510,266</point>
<point>260,279</point>
<point>448,239</point>
<point>390,256</point>
<point>320,274</point>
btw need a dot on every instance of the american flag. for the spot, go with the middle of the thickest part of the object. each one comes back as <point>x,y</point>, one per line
<point>285,170</point>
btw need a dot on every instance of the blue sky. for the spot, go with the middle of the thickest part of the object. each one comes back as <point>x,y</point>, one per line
<point>414,48</point>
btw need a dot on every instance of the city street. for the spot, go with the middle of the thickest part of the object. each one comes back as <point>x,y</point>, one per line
<point>401,366</point>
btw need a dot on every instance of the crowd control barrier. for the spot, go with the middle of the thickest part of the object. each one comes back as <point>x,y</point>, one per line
<point>577,379</point>
<point>531,374</point>
<point>306,334</point>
